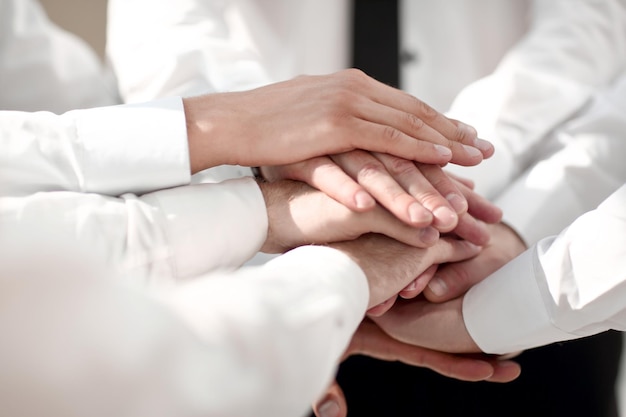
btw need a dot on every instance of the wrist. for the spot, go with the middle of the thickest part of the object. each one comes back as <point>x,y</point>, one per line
<point>517,244</point>
<point>203,119</point>
<point>277,216</point>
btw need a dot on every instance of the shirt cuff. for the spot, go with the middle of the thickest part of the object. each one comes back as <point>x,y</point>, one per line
<point>333,269</point>
<point>506,312</point>
<point>134,148</point>
<point>212,226</point>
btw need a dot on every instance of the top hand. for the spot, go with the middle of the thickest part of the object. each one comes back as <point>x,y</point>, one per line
<point>312,116</point>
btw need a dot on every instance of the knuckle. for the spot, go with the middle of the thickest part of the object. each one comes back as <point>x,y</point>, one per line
<point>370,169</point>
<point>353,79</point>
<point>391,134</point>
<point>425,111</point>
<point>429,198</point>
<point>458,280</point>
<point>400,167</point>
<point>463,135</point>
<point>414,122</point>
<point>354,73</point>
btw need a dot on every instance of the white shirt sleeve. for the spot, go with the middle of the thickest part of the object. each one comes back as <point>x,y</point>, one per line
<point>108,150</point>
<point>569,52</point>
<point>564,287</point>
<point>43,67</point>
<point>576,178</point>
<point>177,47</point>
<point>170,234</point>
<point>259,341</point>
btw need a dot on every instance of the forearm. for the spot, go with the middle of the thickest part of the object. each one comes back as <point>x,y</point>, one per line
<point>301,307</point>
<point>170,234</point>
<point>262,340</point>
<point>108,150</point>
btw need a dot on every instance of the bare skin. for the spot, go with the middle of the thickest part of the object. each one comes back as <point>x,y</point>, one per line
<point>313,116</point>
<point>372,341</point>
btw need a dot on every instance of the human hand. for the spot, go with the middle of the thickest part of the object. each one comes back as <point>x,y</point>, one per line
<point>437,326</point>
<point>453,279</point>
<point>300,215</point>
<point>408,320</point>
<point>472,226</point>
<point>370,340</point>
<point>312,116</point>
<point>418,194</point>
<point>390,265</point>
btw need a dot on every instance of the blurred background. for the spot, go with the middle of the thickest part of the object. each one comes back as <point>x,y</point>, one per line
<point>87,18</point>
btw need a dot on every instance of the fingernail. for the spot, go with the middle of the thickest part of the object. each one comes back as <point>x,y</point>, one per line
<point>363,200</point>
<point>429,235</point>
<point>457,202</point>
<point>328,409</point>
<point>443,151</point>
<point>438,286</point>
<point>419,215</point>
<point>471,151</point>
<point>446,217</point>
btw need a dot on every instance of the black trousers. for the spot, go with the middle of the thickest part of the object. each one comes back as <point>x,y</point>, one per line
<point>570,379</point>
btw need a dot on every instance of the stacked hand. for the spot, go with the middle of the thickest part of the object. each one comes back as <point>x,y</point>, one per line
<point>429,331</point>
<point>316,116</point>
<point>437,320</point>
<point>371,156</point>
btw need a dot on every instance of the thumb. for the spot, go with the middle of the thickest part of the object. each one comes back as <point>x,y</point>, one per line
<point>332,404</point>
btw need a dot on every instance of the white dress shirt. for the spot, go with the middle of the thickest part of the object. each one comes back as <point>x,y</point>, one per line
<point>564,287</point>
<point>553,107</point>
<point>574,284</point>
<point>548,57</point>
<point>256,341</point>
<point>43,67</point>
<point>280,39</point>
<point>572,52</point>
<point>109,187</point>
